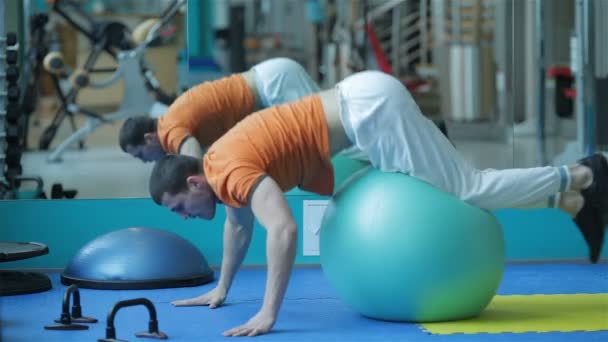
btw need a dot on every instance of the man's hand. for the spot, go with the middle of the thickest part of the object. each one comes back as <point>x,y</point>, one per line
<point>259,324</point>
<point>213,298</point>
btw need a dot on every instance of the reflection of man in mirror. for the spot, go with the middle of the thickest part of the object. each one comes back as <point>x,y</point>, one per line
<point>204,113</point>
<point>290,145</point>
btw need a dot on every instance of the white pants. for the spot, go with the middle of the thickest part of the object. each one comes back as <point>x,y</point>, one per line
<point>383,122</point>
<point>282,80</point>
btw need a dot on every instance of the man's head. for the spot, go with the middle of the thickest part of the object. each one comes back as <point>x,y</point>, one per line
<point>138,137</point>
<point>178,183</point>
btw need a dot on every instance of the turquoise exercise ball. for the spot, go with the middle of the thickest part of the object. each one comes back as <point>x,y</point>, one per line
<point>396,248</point>
<point>344,167</point>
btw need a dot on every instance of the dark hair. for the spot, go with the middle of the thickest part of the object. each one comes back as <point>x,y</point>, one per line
<point>170,173</point>
<point>133,130</point>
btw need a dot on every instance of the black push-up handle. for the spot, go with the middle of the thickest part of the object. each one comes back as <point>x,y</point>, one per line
<point>152,332</point>
<point>66,321</point>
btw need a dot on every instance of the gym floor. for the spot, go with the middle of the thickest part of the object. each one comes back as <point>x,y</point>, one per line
<point>312,312</point>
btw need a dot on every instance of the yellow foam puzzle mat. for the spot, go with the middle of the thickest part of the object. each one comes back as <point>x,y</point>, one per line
<point>533,313</point>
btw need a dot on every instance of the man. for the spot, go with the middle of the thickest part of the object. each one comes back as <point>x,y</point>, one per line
<point>273,150</point>
<point>204,113</point>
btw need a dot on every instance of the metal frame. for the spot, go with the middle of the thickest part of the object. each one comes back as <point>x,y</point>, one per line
<point>540,41</point>
<point>585,88</point>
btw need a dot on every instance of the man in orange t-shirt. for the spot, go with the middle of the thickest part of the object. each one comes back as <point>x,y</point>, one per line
<point>290,145</point>
<point>204,113</point>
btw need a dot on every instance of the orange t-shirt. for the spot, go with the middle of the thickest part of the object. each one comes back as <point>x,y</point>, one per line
<point>206,112</point>
<point>288,142</point>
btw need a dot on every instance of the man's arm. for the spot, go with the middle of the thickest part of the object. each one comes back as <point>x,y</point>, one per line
<point>270,208</point>
<point>238,230</point>
<point>191,147</point>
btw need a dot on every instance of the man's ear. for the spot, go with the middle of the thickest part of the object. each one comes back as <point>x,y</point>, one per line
<point>151,138</point>
<point>196,181</point>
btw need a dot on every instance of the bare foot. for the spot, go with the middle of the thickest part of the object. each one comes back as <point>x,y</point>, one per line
<point>571,202</point>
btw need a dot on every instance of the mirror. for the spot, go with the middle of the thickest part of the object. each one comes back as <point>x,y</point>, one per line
<point>473,68</point>
<point>86,67</point>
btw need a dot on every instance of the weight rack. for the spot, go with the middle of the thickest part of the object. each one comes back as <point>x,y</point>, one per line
<point>10,152</point>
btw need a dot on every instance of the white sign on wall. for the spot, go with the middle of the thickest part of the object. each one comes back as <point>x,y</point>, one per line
<point>313,213</point>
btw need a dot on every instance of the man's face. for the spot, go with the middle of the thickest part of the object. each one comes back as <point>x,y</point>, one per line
<point>148,152</point>
<point>195,202</point>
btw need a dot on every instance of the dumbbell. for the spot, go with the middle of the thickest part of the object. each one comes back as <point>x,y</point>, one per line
<point>12,112</point>
<point>10,56</point>
<point>12,93</point>
<point>11,75</point>
<point>13,155</point>
<point>10,40</point>
<point>12,133</point>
